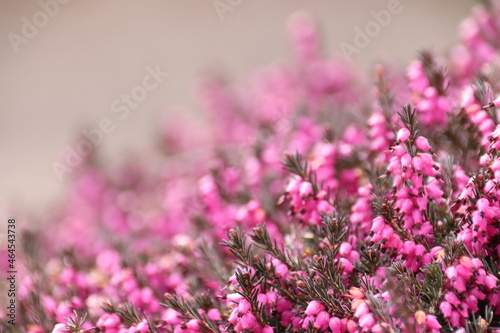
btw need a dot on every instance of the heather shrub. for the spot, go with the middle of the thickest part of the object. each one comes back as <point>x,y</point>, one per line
<point>322,204</point>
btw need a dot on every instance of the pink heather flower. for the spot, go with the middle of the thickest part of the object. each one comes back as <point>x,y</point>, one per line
<point>377,328</point>
<point>431,323</point>
<point>286,317</point>
<point>367,321</point>
<point>378,224</point>
<point>490,281</point>
<point>422,143</point>
<point>244,306</point>
<point>446,308</point>
<point>348,266</point>
<point>296,320</point>
<point>262,299</point>
<point>451,273</point>
<point>459,284</point>
<point>306,189</point>
<point>307,321</point>
<point>452,298</point>
<point>193,324</point>
<point>271,297</point>
<point>406,160</point>
<point>418,79</point>
<point>362,310</point>
<point>142,327</point>
<point>281,270</point>
<point>233,317</point>
<point>214,314</point>
<point>172,317</point>
<point>351,326</point>
<point>336,326</point>
<point>313,308</point>
<point>345,249</point>
<point>455,319</point>
<point>283,305</point>
<point>403,135</point>
<point>322,320</point>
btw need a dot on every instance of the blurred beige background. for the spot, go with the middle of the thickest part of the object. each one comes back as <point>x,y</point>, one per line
<point>90,52</point>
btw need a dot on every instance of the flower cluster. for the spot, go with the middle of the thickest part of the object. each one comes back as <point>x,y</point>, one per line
<point>306,205</point>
